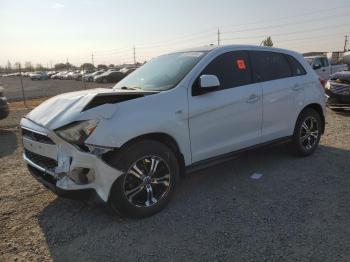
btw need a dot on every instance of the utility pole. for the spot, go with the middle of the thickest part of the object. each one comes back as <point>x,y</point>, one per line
<point>218,36</point>
<point>134,55</point>
<point>92,59</point>
<point>23,96</point>
<point>346,43</point>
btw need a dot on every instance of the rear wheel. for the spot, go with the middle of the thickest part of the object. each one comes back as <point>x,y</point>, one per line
<point>307,132</point>
<point>151,171</point>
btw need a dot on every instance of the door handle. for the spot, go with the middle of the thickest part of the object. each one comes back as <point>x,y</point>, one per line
<point>253,98</point>
<point>296,87</point>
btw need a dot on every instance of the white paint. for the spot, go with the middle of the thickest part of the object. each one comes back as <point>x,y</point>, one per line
<point>203,126</point>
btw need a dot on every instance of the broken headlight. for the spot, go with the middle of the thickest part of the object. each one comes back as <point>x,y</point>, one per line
<point>77,132</point>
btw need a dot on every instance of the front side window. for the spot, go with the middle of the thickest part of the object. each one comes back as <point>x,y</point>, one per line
<point>270,66</point>
<point>161,73</point>
<point>231,68</point>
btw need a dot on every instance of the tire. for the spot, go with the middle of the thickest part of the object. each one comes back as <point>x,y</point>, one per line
<point>154,190</point>
<point>307,132</point>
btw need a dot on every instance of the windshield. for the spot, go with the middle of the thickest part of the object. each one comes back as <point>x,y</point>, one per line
<point>161,73</point>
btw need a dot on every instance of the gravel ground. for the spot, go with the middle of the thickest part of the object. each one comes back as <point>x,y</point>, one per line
<point>43,88</point>
<point>297,211</point>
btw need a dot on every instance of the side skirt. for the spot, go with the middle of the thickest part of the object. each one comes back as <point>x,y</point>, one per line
<point>232,155</point>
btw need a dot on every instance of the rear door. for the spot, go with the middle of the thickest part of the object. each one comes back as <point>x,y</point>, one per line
<point>230,118</point>
<point>280,90</point>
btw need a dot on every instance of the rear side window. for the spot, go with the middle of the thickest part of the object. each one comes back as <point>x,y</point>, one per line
<point>232,69</point>
<point>297,68</point>
<point>270,66</point>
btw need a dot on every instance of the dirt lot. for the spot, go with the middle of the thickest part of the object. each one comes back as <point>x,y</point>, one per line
<point>43,88</point>
<point>298,211</point>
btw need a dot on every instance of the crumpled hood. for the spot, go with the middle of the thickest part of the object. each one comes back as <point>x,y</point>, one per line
<point>69,107</point>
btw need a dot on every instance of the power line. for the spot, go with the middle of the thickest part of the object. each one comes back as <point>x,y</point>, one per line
<point>290,23</point>
<point>308,38</point>
<point>205,34</point>
<point>289,33</point>
<point>219,33</point>
<point>289,17</point>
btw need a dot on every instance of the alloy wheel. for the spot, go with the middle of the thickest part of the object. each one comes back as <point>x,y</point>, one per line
<point>147,181</point>
<point>309,133</point>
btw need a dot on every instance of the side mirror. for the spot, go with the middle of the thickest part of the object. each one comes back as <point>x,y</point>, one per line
<point>209,82</point>
<point>315,67</point>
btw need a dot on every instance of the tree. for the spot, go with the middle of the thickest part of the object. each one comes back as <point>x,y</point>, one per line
<point>60,66</point>
<point>87,66</point>
<point>69,66</point>
<point>111,66</point>
<point>17,65</point>
<point>99,67</point>
<point>9,66</point>
<point>39,67</point>
<point>28,66</point>
<point>267,42</point>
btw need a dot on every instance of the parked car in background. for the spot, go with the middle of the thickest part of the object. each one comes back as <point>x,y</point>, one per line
<point>51,73</point>
<point>110,76</point>
<point>323,68</point>
<point>338,90</point>
<point>76,75</point>
<point>90,77</point>
<point>70,75</point>
<point>127,70</point>
<point>4,106</point>
<point>180,111</point>
<point>39,76</point>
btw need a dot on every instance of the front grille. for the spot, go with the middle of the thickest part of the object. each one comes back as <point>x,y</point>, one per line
<point>36,137</point>
<point>41,161</point>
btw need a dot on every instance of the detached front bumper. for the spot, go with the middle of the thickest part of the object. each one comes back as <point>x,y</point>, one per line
<point>62,167</point>
<point>50,183</point>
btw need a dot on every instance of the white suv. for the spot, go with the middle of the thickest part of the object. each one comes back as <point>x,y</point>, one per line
<point>178,112</point>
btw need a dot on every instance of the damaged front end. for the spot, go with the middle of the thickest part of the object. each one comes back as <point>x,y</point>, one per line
<point>63,167</point>
<point>338,91</point>
<point>55,136</point>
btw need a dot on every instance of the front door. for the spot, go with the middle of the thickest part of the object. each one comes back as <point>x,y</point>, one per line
<point>229,118</point>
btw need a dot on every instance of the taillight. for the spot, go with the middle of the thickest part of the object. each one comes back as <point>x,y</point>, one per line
<point>323,82</point>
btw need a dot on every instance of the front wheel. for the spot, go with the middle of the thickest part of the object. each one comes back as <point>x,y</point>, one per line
<point>151,171</point>
<point>307,132</point>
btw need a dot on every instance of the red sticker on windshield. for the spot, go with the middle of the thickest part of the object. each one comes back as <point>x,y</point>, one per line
<point>241,64</point>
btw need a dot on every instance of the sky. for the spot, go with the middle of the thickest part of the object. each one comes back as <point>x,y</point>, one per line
<point>49,32</point>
